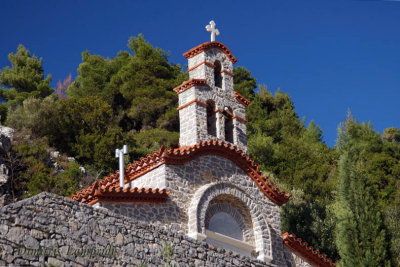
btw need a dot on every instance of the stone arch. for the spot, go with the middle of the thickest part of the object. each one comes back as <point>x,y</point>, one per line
<point>201,201</point>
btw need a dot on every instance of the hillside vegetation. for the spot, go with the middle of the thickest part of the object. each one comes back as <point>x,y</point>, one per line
<point>346,199</point>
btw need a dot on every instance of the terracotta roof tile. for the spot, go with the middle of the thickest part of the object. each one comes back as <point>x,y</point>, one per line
<point>188,84</point>
<point>242,100</point>
<point>210,45</point>
<point>113,193</point>
<point>305,251</point>
<point>181,155</point>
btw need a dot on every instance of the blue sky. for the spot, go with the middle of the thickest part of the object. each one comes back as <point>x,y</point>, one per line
<point>329,55</point>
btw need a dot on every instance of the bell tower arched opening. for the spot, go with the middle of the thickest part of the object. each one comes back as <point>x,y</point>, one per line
<point>217,74</point>
<point>228,115</point>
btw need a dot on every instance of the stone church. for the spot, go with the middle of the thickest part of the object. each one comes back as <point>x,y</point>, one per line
<point>207,187</point>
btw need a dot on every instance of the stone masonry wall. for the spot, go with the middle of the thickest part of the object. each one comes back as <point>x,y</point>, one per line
<point>50,230</point>
<point>153,179</point>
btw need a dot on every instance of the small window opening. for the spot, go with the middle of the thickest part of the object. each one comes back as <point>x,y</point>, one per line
<point>217,74</point>
<point>228,114</point>
<point>211,118</point>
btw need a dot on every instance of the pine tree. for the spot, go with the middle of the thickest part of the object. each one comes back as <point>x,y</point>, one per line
<point>24,79</point>
<point>245,83</point>
<point>360,234</point>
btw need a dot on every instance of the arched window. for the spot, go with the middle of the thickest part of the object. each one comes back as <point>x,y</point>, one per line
<point>208,213</point>
<point>228,114</point>
<point>225,224</point>
<point>211,118</point>
<point>217,74</point>
<point>228,224</point>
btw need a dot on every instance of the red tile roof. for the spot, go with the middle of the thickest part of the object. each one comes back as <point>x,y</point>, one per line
<point>188,84</point>
<point>308,253</point>
<point>114,193</point>
<point>181,155</point>
<point>210,45</point>
<point>242,100</point>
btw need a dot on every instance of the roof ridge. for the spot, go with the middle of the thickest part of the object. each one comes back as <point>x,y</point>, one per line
<point>300,247</point>
<point>188,84</point>
<point>181,155</point>
<point>209,45</point>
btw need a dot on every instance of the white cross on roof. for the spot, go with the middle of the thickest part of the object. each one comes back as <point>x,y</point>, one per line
<point>211,28</point>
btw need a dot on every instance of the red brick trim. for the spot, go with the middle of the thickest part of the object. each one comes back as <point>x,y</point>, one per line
<point>188,84</point>
<point>308,253</point>
<point>228,72</point>
<point>240,118</point>
<point>242,100</point>
<point>210,45</point>
<point>181,155</point>
<point>210,64</point>
<point>191,102</point>
<point>198,65</point>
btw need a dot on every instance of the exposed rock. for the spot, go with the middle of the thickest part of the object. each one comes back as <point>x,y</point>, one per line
<point>6,135</point>
<point>3,173</point>
<point>54,154</point>
<point>82,169</point>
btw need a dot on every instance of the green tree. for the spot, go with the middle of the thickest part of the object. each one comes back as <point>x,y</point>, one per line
<point>138,87</point>
<point>37,174</point>
<point>392,134</point>
<point>312,222</point>
<point>299,159</point>
<point>392,219</point>
<point>24,79</point>
<point>280,142</point>
<point>35,117</point>
<point>95,74</point>
<point>112,102</point>
<point>360,234</point>
<point>244,83</point>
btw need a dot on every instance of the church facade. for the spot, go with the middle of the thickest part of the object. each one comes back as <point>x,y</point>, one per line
<point>207,188</point>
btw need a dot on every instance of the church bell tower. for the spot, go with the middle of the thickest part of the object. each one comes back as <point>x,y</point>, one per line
<point>209,108</point>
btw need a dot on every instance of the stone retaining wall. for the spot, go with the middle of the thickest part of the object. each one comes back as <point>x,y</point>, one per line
<point>55,231</point>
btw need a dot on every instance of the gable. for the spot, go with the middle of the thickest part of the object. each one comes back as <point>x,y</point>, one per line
<point>182,155</point>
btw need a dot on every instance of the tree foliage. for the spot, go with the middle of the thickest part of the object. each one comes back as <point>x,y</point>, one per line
<point>24,79</point>
<point>278,139</point>
<point>360,233</point>
<point>124,100</point>
<point>244,82</point>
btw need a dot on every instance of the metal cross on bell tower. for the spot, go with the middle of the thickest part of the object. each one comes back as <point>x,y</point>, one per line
<point>211,28</point>
<point>119,153</point>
